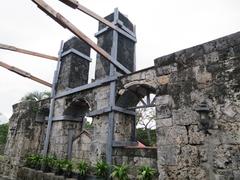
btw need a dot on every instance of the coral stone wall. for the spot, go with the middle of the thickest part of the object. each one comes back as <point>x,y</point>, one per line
<point>26,133</point>
<point>207,73</point>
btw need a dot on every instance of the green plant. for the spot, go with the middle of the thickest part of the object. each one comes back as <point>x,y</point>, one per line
<point>101,169</point>
<point>82,167</point>
<point>146,173</point>
<point>68,167</point>
<point>59,166</point>
<point>48,163</point>
<point>3,133</point>
<point>120,172</point>
<point>36,96</point>
<point>33,161</point>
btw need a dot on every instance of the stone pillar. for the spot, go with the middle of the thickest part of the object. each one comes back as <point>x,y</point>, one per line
<point>123,49</point>
<point>74,65</point>
<point>125,46</point>
<point>69,113</point>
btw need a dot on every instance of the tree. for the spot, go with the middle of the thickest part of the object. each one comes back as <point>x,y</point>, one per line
<point>145,120</point>
<point>36,96</point>
<point>3,133</point>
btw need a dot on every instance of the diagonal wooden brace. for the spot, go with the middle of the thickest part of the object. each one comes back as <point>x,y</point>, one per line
<point>24,51</point>
<point>75,5</point>
<point>24,74</point>
<point>67,24</point>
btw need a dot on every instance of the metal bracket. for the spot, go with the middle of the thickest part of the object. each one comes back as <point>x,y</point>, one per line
<point>127,32</point>
<point>78,53</point>
<point>67,118</point>
<point>87,86</point>
<point>99,112</point>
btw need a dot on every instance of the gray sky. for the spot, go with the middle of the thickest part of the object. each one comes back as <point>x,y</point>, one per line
<point>163,27</point>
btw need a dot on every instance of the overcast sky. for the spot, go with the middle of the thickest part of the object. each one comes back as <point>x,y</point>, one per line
<point>163,27</point>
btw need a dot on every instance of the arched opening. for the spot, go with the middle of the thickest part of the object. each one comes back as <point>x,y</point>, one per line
<point>78,110</point>
<point>80,137</point>
<point>140,98</point>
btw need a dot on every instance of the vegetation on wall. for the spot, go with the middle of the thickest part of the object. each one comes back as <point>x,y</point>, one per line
<point>36,96</point>
<point>3,133</point>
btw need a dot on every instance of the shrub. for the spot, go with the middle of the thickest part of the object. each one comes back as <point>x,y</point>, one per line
<point>102,169</point>
<point>59,166</point>
<point>120,172</point>
<point>82,167</point>
<point>33,161</point>
<point>146,173</point>
<point>68,167</point>
<point>48,163</point>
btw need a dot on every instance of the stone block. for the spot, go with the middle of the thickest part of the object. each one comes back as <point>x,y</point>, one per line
<point>185,116</point>
<point>203,153</point>
<point>197,173</point>
<point>224,174</point>
<point>167,155</point>
<point>226,157</point>
<point>188,157</point>
<point>202,76</point>
<point>163,79</point>
<point>195,136</point>
<point>164,100</point>
<point>173,172</point>
<point>236,175</point>
<point>164,122</point>
<point>163,112</point>
<point>230,138</point>
<point>211,57</point>
<point>175,135</point>
<point>230,110</point>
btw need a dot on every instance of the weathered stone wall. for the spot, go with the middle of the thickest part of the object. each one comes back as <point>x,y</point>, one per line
<point>26,132</point>
<point>210,73</point>
<point>81,147</point>
<point>187,147</point>
<point>2,147</point>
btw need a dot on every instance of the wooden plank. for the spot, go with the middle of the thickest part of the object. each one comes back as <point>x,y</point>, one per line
<point>24,51</point>
<point>67,24</point>
<point>24,74</point>
<point>75,4</point>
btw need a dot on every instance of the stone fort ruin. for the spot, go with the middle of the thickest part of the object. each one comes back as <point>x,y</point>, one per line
<point>196,95</point>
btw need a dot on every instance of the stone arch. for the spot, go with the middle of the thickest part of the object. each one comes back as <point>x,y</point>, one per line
<point>135,91</point>
<point>77,108</point>
<point>129,98</point>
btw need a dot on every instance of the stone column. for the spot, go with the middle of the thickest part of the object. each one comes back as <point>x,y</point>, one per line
<point>125,46</point>
<point>68,114</point>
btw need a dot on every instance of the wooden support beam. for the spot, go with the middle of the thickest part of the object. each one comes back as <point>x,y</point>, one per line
<point>24,51</point>
<point>67,24</point>
<point>24,73</point>
<point>75,5</point>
